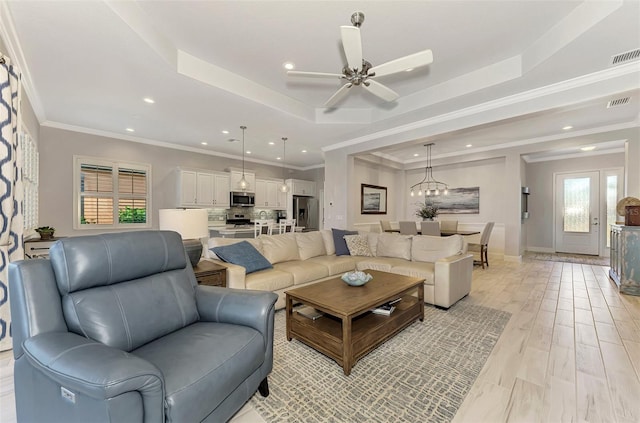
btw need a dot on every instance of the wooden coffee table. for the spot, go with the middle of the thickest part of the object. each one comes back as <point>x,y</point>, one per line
<point>348,330</point>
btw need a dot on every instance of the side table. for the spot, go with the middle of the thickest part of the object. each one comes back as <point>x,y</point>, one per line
<point>208,273</point>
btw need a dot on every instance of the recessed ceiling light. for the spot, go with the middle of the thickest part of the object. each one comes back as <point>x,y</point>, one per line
<point>224,131</point>
<point>130,130</point>
<point>278,158</point>
<point>304,151</point>
<point>148,100</point>
<point>566,128</point>
<point>469,145</point>
<point>204,143</point>
<point>588,148</point>
<point>271,143</point>
<point>408,70</point>
<point>415,154</point>
<point>289,65</point>
<point>248,152</point>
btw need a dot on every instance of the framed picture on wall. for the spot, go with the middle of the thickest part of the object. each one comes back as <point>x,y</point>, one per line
<point>373,199</point>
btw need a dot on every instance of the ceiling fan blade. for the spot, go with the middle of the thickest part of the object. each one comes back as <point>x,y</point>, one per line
<point>415,60</point>
<point>380,90</point>
<point>352,44</point>
<point>314,74</point>
<point>339,95</point>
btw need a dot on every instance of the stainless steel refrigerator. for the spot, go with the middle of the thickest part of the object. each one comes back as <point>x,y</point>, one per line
<point>305,211</point>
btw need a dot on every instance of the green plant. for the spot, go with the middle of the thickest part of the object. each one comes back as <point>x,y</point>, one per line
<point>132,215</point>
<point>45,230</point>
<point>426,210</point>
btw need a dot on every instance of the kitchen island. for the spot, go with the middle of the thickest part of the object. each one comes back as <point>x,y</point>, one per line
<point>231,232</point>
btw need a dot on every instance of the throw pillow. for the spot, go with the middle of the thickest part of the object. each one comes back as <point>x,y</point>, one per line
<point>394,245</point>
<point>243,254</point>
<point>340,243</point>
<point>221,242</point>
<point>358,245</point>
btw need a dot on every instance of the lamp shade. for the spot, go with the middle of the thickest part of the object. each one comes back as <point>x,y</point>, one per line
<point>189,223</point>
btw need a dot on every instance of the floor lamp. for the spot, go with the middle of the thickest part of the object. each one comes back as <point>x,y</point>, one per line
<point>191,224</point>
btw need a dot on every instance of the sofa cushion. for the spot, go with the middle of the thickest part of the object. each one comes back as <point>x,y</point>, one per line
<point>394,245</point>
<point>310,244</point>
<point>431,248</point>
<point>339,242</point>
<point>336,265</point>
<point>372,240</point>
<point>416,269</point>
<point>303,271</point>
<point>218,242</point>
<point>384,264</point>
<point>358,245</point>
<point>279,248</point>
<point>243,254</point>
<point>195,379</point>
<point>327,237</point>
<point>268,280</point>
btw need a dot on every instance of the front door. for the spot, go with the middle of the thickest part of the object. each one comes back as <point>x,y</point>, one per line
<point>577,223</point>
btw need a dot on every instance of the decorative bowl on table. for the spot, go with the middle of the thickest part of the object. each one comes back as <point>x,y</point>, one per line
<point>356,278</point>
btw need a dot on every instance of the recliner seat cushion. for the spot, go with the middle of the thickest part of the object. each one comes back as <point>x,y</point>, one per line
<point>201,364</point>
<point>268,280</point>
<point>336,264</point>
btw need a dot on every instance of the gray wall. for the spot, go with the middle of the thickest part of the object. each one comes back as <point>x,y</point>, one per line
<point>57,148</point>
<point>539,176</point>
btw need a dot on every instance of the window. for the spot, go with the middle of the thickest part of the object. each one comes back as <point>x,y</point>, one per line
<point>111,194</point>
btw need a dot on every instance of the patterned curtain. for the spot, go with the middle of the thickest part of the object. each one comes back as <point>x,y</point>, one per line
<point>11,192</point>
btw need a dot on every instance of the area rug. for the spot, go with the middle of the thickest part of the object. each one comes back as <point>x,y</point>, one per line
<point>421,375</point>
<point>568,258</point>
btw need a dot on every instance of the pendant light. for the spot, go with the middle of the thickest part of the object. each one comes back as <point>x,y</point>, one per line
<point>284,187</point>
<point>243,184</point>
<point>429,186</point>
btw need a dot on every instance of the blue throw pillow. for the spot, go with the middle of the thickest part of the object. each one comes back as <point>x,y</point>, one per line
<point>243,254</point>
<point>340,243</point>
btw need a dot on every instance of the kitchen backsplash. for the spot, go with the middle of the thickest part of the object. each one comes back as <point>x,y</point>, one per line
<point>220,215</point>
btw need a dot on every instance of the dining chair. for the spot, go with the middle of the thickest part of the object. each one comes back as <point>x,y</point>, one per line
<point>261,227</point>
<point>483,246</point>
<point>448,225</point>
<point>289,225</point>
<point>429,227</point>
<point>385,226</point>
<point>408,228</point>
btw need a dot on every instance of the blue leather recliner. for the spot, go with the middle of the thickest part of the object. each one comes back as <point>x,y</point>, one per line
<point>115,328</point>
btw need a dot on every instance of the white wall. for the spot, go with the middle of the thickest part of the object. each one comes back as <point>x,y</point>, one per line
<point>539,226</point>
<point>57,148</point>
<point>373,174</point>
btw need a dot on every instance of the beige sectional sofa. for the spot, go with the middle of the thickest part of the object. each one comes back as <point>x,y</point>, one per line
<point>303,258</point>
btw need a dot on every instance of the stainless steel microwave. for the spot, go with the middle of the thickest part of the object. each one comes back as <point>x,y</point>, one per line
<point>242,199</point>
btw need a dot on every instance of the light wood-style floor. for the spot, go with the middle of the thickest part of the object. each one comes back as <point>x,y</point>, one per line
<point>571,351</point>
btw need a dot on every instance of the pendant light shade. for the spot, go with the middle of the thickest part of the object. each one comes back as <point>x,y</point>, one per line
<point>284,187</point>
<point>429,186</point>
<point>243,184</point>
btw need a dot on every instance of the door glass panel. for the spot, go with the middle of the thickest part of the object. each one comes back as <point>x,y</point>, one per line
<point>576,205</point>
<point>612,201</point>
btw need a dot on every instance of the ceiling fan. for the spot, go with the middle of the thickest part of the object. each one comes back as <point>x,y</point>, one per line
<point>360,72</point>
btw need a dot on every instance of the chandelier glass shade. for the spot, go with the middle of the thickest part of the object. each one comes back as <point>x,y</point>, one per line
<point>243,184</point>
<point>429,186</point>
<point>284,187</point>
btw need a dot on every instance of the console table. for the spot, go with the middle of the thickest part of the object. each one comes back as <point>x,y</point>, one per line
<point>625,258</point>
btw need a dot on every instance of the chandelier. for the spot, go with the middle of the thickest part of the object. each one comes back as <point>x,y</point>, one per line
<point>428,185</point>
<point>284,187</point>
<point>243,184</point>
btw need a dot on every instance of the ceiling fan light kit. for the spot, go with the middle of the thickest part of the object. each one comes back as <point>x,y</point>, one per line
<point>359,72</point>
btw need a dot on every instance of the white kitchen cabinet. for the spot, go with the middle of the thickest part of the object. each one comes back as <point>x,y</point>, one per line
<point>235,181</point>
<point>300,187</point>
<point>221,190</point>
<point>282,199</point>
<point>203,189</point>
<point>268,194</point>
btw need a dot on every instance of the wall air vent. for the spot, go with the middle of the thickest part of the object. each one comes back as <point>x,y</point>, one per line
<point>618,102</point>
<point>627,56</point>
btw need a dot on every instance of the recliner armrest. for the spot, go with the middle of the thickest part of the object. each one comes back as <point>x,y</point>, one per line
<point>237,306</point>
<point>96,370</point>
